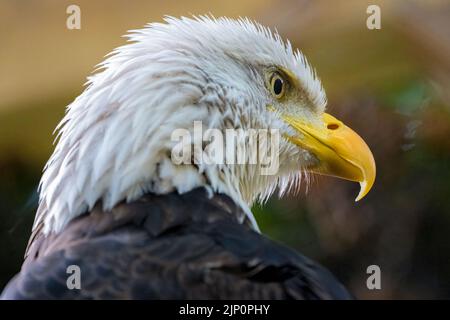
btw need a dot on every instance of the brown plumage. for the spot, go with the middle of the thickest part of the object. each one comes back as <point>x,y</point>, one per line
<point>169,247</point>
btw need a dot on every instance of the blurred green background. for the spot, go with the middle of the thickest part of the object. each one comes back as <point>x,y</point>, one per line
<point>391,85</point>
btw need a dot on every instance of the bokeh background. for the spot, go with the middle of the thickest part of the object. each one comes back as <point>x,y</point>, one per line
<point>391,85</point>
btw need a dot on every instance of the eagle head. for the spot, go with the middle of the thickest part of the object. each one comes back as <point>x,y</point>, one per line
<point>116,141</point>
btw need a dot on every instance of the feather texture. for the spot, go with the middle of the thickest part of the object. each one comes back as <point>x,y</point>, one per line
<point>169,247</point>
<point>114,141</point>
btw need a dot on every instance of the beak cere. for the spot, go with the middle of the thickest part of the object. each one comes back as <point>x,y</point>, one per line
<point>340,151</point>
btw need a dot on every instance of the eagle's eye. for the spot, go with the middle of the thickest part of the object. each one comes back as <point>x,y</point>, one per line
<point>277,85</point>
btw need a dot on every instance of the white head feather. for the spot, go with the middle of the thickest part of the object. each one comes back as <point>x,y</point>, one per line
<point>114,141</point>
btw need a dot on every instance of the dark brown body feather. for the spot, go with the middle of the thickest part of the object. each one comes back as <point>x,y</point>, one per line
<point>169,247</point>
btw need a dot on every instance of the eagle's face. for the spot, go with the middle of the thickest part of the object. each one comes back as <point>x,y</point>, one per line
<point>116,139</point>
<point>265,84</point>
<point>314,140</point>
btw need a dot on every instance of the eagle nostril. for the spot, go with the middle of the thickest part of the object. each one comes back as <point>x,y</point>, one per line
<point>333,126</point>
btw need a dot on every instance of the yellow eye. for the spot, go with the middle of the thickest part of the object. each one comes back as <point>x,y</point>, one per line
<point>277,85</point>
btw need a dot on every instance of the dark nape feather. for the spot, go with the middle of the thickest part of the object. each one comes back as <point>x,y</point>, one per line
<point>169,247</point>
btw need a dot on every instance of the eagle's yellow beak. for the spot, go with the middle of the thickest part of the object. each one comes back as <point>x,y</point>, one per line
<point>341,151</point>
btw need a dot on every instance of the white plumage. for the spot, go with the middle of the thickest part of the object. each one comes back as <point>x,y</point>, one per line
<point>114,142</point>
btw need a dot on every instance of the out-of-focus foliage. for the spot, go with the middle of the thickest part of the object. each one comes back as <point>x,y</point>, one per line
<point>391,85</point>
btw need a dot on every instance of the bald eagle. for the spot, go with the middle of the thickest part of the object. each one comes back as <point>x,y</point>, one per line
<point>113,202</point>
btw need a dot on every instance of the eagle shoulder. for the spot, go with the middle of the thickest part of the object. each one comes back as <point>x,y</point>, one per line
<point>170,247</point>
